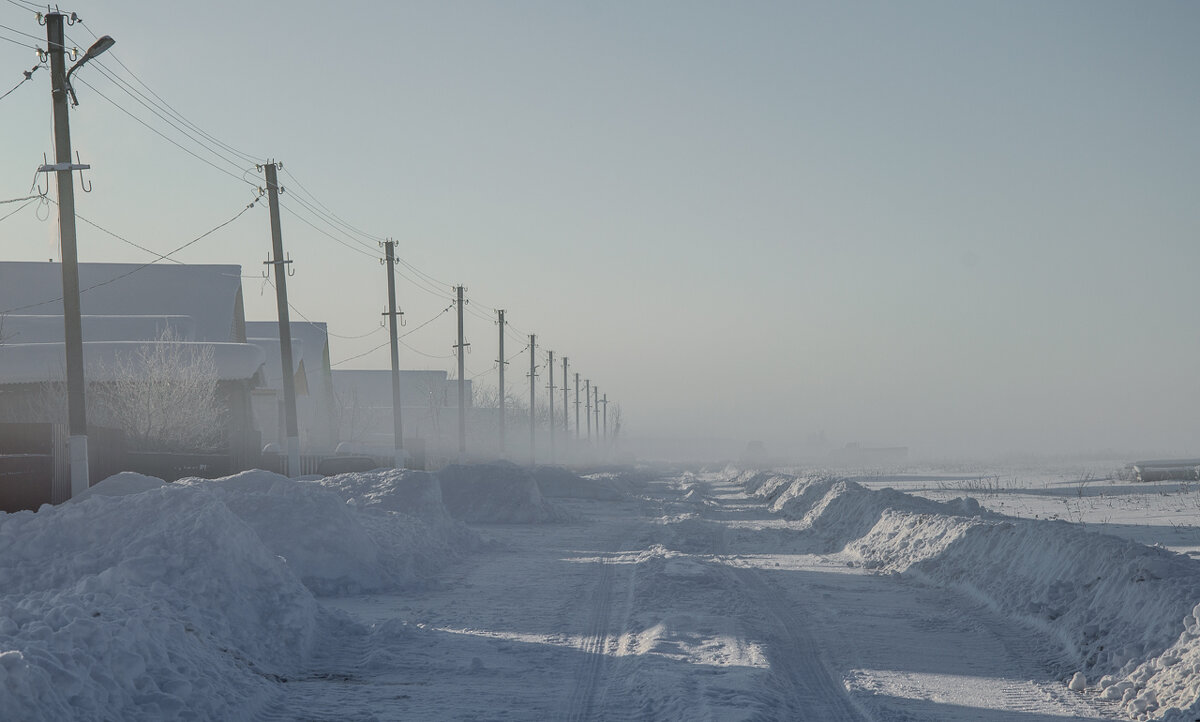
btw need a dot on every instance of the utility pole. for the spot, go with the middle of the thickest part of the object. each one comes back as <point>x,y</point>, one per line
<point>566,417</point>
<point>503,363</point>
<point>462,382</point>
<point>587,406</point>
<point>77,440</point>
<point>552,387</point>
<point>532,388</point>
<point>285,328</point>
<point>596,409</point>
<point>605,426</point>
<point>393,321</point>
<point>576,406</point>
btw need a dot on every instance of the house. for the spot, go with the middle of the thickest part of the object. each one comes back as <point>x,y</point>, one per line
<point>428,403</point>
<point>132,314</point>
<point>313,379</point>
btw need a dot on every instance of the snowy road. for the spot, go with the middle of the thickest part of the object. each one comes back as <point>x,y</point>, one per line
<point>689,602</point>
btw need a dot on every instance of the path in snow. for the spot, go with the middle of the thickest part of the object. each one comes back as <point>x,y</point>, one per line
<point>690,602</point>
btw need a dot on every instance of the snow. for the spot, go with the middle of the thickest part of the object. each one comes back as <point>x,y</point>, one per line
<point>499,591</point>
<point>209,294</point>
<point>49,329</point>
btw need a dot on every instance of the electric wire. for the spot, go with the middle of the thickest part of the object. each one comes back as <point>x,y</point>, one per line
<point>27,6</point>
<point>20,32</point>
<point>18,42</point>
<point>19,208</point>
<point>301,314</point>
<point>400,339</point>
<point>164,136</point>
<point>160,257</point>
<point>28,75</point>
<point>104,72</point>
<point>328,235</point>
<point>167,106</point>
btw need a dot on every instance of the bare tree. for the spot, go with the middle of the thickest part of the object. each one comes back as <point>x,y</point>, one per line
<point>164,396</point>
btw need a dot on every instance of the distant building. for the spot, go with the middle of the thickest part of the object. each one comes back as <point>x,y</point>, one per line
<point>429,408</point>
<point>316,412</point>
<point>125,308</point>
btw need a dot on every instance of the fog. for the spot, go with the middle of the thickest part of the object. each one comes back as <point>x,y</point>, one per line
<point>966,230</point>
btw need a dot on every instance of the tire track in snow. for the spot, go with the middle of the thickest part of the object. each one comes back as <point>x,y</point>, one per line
<point>812,690</point>
<point>594,646</point>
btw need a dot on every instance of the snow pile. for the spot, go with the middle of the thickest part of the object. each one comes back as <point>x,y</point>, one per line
<point>161,604</point>
<point>403,512</point>
<point>840,511</point>
<point>500,493</point>
<point>147,600</point>
<point>332,546</point>
<point>557,482</point>
<point>1126,614</point>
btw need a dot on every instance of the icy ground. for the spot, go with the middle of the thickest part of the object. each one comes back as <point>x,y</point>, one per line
<point>488,593</point>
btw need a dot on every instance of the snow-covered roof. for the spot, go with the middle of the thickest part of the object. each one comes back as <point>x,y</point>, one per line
<point>210,294</point>
<point>28,363</point>
<point>19,328</point>
<point>314,335</point>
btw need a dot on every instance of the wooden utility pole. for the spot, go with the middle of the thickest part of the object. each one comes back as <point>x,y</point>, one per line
<point>576,406</point>
<point>461,348</point>
<point>77,440</point>
<point>285,327</point>
<point>551,424</point>
<point>394,315</point>
<point>587,406</point>
<point>503,363</point>
<point>596,410</point>
<point>605,426</point>
<point>566,417</point>
<point>532,388</point>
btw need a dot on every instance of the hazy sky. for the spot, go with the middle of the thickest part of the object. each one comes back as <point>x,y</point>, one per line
<point>961,227</point>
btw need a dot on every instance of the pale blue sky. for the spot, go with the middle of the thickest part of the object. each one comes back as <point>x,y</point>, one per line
<point>962,227</point>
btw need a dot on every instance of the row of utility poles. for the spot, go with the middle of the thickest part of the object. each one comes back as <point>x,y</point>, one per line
<point>77,446</point>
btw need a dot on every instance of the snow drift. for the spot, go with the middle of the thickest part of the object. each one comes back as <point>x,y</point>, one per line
<point>557,482</point>
<point>500,493</point>
<point>145,600</point>
<point>151,605</point>
<point>1126,615</point>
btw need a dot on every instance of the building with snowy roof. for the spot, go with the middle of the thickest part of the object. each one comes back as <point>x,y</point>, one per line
<point>127,309</point>
<point>313,378</point>
<point>428,404</point>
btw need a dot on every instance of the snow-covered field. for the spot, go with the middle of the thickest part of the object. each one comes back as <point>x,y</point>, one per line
<point>488,592</point>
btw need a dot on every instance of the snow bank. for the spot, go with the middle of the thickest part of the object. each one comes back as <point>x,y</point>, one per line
<point>1125,614</point>
<point>160,604</point>
<point>403,512</point>
<point>500,493</point>
<point>557,482</point>
<point>144,600</point>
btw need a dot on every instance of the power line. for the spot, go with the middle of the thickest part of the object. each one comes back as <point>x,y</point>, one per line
<point>300,313</point>
<point>160,257</point>
<point>167,106</point>
<point>20,208</point>
<point>27,6</point>
<point>328,235</point>
<point>163,136</point>
<point>132,93</point>
<point>21,32</point>
<point>400,339</point>
<point>18,42</point>
<point>28,74</point>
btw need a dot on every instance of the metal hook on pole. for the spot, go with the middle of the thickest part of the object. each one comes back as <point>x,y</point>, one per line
<point>88,187</point>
